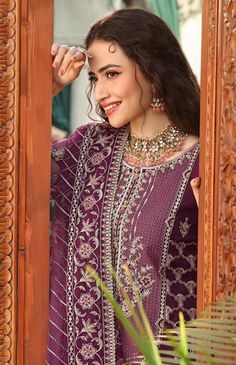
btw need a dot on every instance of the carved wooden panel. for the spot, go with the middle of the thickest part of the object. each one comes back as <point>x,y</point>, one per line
<point>207,136</point>
<point>8,181</point>
<point>217,216</point>
<point>226,177</point>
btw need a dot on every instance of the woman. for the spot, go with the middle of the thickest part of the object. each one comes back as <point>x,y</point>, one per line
<point>122,189</point>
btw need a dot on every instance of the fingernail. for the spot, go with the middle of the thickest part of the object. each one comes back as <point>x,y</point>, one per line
<point>55,64</point>
<point>75,57</point>
<point>61,73</point>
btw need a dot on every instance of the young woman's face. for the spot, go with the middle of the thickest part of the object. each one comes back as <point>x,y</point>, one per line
<point>119,86</point>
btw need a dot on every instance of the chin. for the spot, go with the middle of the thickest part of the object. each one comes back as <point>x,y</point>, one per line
<point>117,123</point>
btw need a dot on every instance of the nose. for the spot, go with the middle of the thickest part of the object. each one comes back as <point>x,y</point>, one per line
<point>101,92</point>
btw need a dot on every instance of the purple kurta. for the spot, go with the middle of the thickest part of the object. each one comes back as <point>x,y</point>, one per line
<point>107,211</point>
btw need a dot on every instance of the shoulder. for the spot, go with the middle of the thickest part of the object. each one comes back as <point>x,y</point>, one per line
<point>59,147</point>
<point>189,142</point>
<point>88,133</point>
<point>91,131</point>
<point>79,133</point>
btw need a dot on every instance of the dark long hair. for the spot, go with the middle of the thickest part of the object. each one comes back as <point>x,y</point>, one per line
<point>147,40</point>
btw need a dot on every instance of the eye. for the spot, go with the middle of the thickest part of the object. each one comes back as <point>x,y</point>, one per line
<point>112,74</point>
<point>92,79</point>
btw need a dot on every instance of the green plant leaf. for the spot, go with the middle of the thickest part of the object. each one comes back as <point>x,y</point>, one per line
<point>130,307</point>
<point>210,339</point>
<point>143,345</point>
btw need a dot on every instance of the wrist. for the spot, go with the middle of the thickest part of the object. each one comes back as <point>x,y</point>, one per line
<point>56,89</point>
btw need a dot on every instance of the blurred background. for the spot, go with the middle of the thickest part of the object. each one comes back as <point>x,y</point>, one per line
<point>72,20</point>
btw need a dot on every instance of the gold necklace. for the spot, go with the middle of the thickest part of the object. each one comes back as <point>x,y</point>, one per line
<point>153,150</point>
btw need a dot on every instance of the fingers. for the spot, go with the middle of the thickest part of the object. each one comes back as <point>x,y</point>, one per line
<point>54,49</point>
<point>195,184</point>
<point>64,56</point>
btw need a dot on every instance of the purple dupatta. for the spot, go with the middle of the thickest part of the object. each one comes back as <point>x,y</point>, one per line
<point>81,328</point>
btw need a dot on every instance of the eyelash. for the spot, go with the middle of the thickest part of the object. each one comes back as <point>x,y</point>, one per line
<point>109,74</point>
<point>115,73</point>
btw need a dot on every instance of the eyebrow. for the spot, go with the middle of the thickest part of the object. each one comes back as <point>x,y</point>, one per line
<point>104,68</point>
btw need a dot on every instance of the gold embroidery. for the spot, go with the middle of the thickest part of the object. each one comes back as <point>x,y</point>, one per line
<point>184,227</point>
<point>58,154</point>
<point>141,274</point>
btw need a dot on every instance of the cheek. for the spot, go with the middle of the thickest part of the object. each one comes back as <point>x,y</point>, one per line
<point>126,88</point>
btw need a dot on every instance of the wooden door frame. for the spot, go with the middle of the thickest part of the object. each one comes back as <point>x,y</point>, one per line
<point>217,213</point>
<point>25,112</point>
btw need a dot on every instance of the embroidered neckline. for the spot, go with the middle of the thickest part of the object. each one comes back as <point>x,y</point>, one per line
<point>168,164</point>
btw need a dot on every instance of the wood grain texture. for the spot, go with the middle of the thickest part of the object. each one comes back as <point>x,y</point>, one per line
<point>8,181</point>
<point>35,133</point>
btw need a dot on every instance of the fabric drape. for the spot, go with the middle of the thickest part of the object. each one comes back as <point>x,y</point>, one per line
<point>61,110</point>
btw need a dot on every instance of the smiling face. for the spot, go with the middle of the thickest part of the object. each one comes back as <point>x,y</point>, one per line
<point>118,84</point>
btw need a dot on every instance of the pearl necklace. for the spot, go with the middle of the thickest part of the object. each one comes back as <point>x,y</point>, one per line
<point>153,150</point>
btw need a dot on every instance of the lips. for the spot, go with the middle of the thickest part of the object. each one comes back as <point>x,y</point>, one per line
<point>111,107</point>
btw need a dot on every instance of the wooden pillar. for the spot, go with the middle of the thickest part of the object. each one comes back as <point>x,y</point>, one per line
<point>217,215</point>
<point>25,112</point>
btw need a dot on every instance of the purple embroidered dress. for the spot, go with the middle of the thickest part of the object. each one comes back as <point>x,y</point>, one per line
<point>107,211</point>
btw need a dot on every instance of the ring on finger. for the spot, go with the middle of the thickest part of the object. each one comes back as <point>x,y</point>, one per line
<point>86,54</point>
<point>84,51</point>
<point>72,49</point>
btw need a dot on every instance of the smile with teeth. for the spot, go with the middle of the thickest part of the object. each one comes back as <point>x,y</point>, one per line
<point>111,108</point>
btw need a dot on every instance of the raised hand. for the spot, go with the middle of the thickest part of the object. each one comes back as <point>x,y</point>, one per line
<point>67,64</point>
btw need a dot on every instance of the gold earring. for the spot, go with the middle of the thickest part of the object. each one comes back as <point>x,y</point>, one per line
<point>157,104</point>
